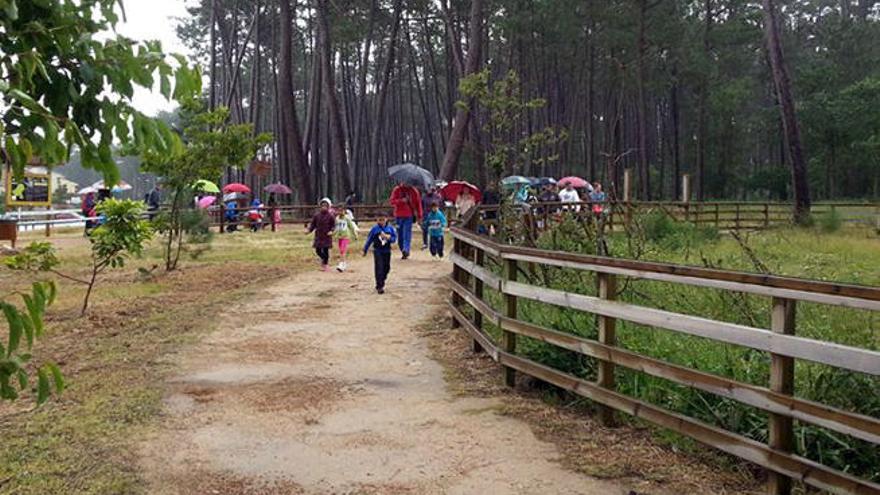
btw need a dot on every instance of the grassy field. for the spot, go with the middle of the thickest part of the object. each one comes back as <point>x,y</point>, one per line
<point>850,255</point>
<point>115,358</point>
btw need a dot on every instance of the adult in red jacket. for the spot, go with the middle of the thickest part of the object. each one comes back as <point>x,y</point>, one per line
<point>407,204</point>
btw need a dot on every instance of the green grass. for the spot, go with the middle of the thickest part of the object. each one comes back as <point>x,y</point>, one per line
<point>850,255</point>
<point>86,440</point>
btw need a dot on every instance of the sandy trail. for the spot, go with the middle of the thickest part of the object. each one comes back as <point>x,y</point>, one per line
<point>323,386</point>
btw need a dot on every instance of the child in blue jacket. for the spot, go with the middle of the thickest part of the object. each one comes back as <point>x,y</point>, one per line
<point>382,237</point>
<point>437,223</point>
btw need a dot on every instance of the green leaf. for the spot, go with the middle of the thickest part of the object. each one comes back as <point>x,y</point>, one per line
<point>11,10</point>
<point>22,379</point>
<point>57,377</point>
<point>43,390</point>
<point>13,319</point>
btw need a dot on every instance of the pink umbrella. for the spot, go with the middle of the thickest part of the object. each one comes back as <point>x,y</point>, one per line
<point>577,182</point>
<point>278,189</point>
<point>207,201</point>
<point>236,188</point>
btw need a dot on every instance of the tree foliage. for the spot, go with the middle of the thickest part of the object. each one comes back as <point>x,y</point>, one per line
<point>63,88</point>
<point>123,234</point>
<point>212,145</point>
<point>510,152</point>
<point>24,327</point>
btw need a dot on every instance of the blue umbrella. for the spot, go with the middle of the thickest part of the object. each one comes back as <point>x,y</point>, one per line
<point>546,181</point>
<point>412,175</point>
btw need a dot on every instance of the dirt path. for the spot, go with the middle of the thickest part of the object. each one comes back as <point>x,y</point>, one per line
<point>322,386</point>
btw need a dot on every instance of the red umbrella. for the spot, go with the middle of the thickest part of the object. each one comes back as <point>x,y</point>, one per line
<point>577,182</point>
<point>278,188</point>
<point>451,191</point>
<point>236,188</point>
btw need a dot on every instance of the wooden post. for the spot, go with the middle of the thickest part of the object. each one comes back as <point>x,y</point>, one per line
<point>717,216</point>
<point>685,188</point>
<point>781,433</point>
<point>766,216</point>
<point>737,217</point>
<point>272,218</point>
<point>222,217</point>
<point>49,218</point>
<point>456,276</point>
<point>508,339</point>
<point>479,259</point>
<point>627,197</point>
<point>607,336</point>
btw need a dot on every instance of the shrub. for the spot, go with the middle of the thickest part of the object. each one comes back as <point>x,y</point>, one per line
<point>830,221</point>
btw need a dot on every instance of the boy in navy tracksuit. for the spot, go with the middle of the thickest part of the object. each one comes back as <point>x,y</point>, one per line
<point>382,237</point>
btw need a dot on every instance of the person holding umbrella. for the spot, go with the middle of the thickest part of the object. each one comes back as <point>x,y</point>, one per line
<point>323,224</point>
<point>569,195</point>
<point>407,204</point>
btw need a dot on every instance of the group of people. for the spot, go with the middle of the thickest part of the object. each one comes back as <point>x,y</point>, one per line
<point>337,226</point>
<point>552,193</point>
<point>235,214</point>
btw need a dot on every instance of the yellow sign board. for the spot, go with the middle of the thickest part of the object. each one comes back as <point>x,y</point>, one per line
<point>33,188</point>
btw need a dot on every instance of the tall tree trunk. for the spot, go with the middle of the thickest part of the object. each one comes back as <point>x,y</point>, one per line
<point>338,156</point>
<point>213,97</point>
<point>382,95</point>
<point>462,115</point>
<point>702,104</point>
<point>642,104</point>
<point>799,182</point>
<point>287,101</point>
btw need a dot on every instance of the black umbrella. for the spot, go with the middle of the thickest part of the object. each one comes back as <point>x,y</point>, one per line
<point>412,175</point>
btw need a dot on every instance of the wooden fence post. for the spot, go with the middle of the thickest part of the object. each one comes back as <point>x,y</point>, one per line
<point>478,292</point>
<point>781,433</point>
<point>717,216</point>
<point>222,217</point>
<point>766,215</point>
<point>508,339</point>
<point>456,276</point>
<point>607,336</point>
<point>737,217</point>
<point>685,188</point>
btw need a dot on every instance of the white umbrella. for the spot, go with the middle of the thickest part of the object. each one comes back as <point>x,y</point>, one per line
<point>119,187</point>
<point>87,190</point>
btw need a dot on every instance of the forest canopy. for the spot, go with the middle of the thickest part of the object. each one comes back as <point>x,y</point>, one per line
<point>664,87</point>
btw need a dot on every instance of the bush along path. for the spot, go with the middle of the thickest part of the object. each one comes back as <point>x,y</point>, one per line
<point>319,385</point>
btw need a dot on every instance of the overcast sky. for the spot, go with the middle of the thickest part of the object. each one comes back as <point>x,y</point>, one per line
<point>153,20</point>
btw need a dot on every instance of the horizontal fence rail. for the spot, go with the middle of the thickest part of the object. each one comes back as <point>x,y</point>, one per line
<point>476,259</point>
<point>720,215</point>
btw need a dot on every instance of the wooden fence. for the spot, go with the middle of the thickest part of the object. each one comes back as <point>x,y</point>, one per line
<point>720,215</point>
<point>474,255</point>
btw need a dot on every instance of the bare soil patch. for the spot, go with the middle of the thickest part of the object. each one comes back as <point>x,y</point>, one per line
<point>632,453</point>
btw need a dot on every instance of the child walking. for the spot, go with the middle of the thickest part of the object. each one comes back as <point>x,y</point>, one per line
<point>381,237</point>
<point>437,223</point>
<point>345,231</point>
<point>322,225</point>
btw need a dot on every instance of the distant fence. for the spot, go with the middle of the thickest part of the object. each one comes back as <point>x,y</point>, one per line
<point>474,256</point>
<point>720,215</point>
